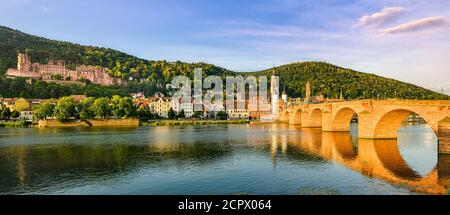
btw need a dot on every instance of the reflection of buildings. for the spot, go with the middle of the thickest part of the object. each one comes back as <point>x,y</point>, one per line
<point>373,158</point>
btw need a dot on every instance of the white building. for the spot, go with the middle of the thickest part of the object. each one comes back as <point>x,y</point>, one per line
<point>26,115</point>
<point>178,106</point>
<point>275,94</point>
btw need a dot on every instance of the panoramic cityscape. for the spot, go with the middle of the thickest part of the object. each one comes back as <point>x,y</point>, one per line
<point>294,98</point>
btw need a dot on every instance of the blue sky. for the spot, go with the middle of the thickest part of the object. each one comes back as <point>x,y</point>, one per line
<point>405,40</point>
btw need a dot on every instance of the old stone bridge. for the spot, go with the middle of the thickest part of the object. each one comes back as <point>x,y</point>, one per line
<point>377,119</point>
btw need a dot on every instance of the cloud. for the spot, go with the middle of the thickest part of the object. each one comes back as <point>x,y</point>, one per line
<point>427,23</point>
<point>46,10</point>
<point>386,15</point>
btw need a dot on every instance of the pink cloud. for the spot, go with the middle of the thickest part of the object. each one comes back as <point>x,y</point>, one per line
<point>382,17</point>
<point>427,23</point>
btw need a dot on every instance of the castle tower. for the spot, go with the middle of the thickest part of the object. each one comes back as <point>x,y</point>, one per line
<point>274,93</point>
<point>308,91</point>
<point>23,62</point>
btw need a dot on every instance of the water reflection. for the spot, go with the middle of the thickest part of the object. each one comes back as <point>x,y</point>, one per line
<point>373,158</point>
<point>219,159</point>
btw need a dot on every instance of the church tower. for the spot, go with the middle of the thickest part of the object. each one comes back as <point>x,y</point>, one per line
<point>274,93</point>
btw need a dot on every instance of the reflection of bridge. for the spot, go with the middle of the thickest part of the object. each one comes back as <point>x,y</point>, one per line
<point>373,158</point>
<point>377,119</point>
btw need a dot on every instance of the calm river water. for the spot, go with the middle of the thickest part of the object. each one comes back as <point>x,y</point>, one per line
<point>219,159</point>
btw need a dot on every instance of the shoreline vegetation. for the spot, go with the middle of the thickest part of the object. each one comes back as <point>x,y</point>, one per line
<point>153,123</point>
<point>15,124</point>
<point>192,122</point>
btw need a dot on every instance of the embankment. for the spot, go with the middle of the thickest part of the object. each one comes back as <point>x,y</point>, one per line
<point>54,123</point>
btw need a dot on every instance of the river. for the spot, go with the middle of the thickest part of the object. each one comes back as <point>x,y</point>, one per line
<point>219,159</point>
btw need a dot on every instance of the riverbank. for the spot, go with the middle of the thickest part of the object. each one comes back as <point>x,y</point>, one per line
<point>192,122</point>
<point>54,123</point>
<point>15,124</point>
<point>49,123</point>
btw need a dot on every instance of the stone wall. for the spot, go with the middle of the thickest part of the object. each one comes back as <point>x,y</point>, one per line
<point>54,123</point>
<point>114,122</point>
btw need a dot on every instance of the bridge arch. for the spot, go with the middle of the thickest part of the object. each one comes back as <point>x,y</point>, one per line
<point>343,118</point>
<point>285,117</point>
<point>387,126</point>
<point>297,117</point>
<point>315,118</point>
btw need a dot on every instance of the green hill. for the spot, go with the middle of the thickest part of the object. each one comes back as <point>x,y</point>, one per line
<point>152,76</point>
<point>330,80</point>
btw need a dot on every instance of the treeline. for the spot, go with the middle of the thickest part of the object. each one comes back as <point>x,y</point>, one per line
<point>18,87</point>
<point>67,108</point>
<point>331,81</point>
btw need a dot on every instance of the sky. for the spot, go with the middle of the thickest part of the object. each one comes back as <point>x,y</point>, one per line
<point>404,40</point>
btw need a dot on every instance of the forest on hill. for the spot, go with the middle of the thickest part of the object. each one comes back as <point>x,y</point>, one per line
<point>152,76</point>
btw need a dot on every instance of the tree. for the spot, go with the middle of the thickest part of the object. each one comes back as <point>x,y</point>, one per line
<point>44,110</point>
<point>101,108</point>
<point>222,115</point>
<point>181,114</point>
<point>85,108</point>
<point>6,113</point>
<point>66,108</point>
<point>127,107</point>
<point>198,114</point>
<point>116,110</point>
<point>144,113</point>
<point>123,107</point>
<point>171,114</point>
<point>15,114</point>
<point>21,104</point>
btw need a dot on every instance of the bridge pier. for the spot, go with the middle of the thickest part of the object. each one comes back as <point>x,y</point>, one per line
<point>327,121</point>
<point>305,120</point>
<point>443,169</point>
<point>443,135</point>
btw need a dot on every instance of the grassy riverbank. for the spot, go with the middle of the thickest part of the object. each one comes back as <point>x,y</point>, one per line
<point>15,124</point>
<point>192,122</point>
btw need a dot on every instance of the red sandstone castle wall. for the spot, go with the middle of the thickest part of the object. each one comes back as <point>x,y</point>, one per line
<point>96,75</point>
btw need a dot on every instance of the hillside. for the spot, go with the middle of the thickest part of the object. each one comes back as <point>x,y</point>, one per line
<point>330,80</point>
<point>152,76</point>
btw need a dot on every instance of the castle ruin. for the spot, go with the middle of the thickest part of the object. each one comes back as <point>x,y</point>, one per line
<point>57,70</point>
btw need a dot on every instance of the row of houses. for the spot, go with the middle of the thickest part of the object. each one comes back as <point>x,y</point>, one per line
<point>160,105</point>
<point>252,109</point>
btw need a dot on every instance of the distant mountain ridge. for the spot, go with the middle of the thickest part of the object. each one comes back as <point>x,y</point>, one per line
<point>152,76</point>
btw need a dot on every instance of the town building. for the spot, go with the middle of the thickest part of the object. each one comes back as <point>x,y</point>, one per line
<point>56,70</point>
<point>178,105</point>
<point>138,95</point>
<point>160,106</point>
